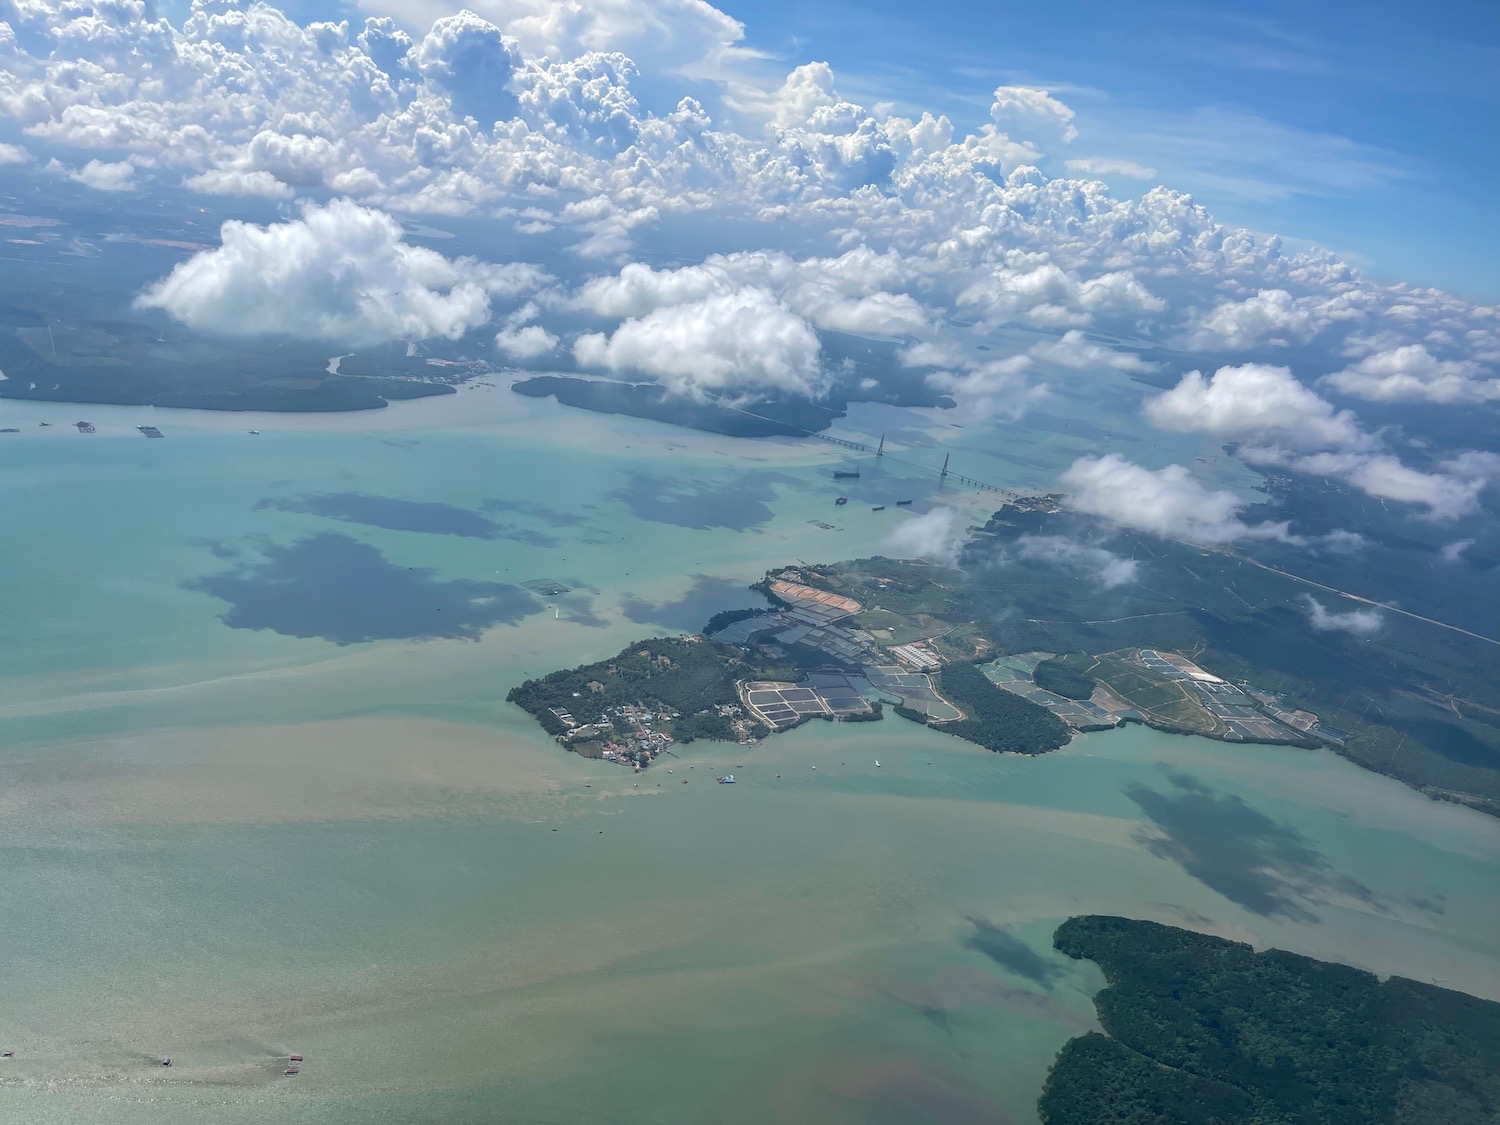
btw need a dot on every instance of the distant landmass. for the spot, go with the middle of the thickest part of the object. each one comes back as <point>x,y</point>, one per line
<point>127,364</point>
<point>867,371</point>
<point>1199,1030</point>
<point>61,342</point>
<point>648,400</point>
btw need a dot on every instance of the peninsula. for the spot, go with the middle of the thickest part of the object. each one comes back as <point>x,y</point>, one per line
<point>1018,646</point>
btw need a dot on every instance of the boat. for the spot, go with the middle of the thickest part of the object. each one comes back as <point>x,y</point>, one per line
<point>295,1058</point>
<point>903,503</point>
<point>727,779</point>
<point>167,1061</point>
<point>877,763</point>
<point>881,508</point>
<point>291,1071</point>
<point>255,431</point>
<point>846,474</point>
<point>842,500</point>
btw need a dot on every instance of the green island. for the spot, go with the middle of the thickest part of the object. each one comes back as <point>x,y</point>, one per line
<point>1199,1030</point>
<point>1014,651</point>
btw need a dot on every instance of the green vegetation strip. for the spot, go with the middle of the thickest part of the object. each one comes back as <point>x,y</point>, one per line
<point>1204,1031</point>
<point>997,719</point>
<point>1058,678</point>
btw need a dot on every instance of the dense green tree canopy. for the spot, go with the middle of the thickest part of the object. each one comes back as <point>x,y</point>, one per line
<point>1204,1031</point>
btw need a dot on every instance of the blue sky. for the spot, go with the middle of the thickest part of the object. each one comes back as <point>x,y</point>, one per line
<point>1370,128</point>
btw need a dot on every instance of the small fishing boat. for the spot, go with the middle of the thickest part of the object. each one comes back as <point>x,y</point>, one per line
<point>879,509</point>
<point>167,1061</point>
<point>842,500</point>
<point>727,779</point>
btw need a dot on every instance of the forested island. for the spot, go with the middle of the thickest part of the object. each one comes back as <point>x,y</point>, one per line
<point>1199,1030</point>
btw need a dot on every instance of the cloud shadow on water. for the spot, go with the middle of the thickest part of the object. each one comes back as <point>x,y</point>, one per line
<point>550,516</point>
<point>388,512</point>
<point>423,516</point>
<point>1010,952</point>
<point>1267,868</point>
<point>579,609</point>
<point>737,506</point>
<point>342,590</point>
<point>707,596</point>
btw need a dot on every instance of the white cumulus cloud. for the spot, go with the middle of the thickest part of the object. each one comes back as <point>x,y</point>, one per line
<point>529,341</point>
<point>846,293</point>
<point>996,389</point>
<point>1255,403</point>
<point>937,535</point>
<point>735,343</point>
<point>1446,495</point>
<point>1271,316</point>
<point>340,273</point>
<point>1103,566</point>
<point>1107,166</point>
<point>1074,350</point>
<point>1360,622</point>
<point>1025,113</point>
<point>1411,373</point>
<point>1166,502</point>
<point>1286,424</point>
<point>104,175</point>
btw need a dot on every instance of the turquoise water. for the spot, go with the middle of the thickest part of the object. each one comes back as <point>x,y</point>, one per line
<point>226,844</point>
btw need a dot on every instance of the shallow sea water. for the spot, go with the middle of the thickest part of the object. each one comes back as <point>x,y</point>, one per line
<point>226,844</point>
